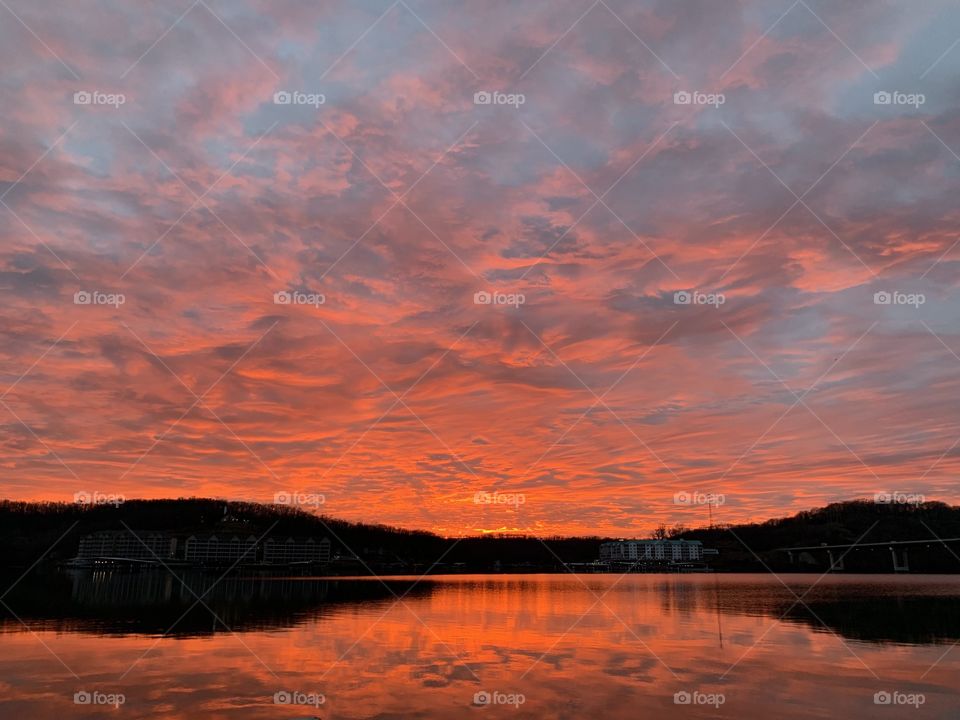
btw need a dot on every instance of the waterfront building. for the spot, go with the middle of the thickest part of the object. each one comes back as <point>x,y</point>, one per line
<point>280,551</point>
<point>128,545</point>
<point>662,551</point>
<point>201,549</point>
<point>226,549</point>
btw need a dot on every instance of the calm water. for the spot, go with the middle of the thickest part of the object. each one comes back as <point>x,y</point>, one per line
<point>539,646</point>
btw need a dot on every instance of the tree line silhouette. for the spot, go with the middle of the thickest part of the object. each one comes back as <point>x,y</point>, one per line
<point>52,530</point>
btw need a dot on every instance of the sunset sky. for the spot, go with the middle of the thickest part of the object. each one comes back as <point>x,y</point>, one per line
<point>588,195</point>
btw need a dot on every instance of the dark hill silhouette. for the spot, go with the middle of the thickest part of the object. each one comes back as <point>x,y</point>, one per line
<point>845,523</point>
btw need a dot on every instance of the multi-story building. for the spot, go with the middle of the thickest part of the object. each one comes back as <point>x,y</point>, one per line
<point>200,549</point>
<point>664,551</point>
<point>213,549</point>
<point>283,552</point>
<point>128,545</point>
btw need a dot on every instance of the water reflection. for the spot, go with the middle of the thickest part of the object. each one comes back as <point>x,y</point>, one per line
<point>865,608</point>
<point>868,608</point>
<point>545,637</point>
<point>182,603</point>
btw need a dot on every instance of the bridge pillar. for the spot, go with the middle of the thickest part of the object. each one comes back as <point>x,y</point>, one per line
<point>838,565</point>
<point>897,565</point>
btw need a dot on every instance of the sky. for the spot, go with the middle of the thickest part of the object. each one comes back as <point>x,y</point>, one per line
<point>546,267</point>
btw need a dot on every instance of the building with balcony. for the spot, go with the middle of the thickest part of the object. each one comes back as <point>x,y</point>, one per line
<point>223,548</point>
<point>216,549</point>
<point>127,545</point>
<point>652,551</point>
<point>280,551</point>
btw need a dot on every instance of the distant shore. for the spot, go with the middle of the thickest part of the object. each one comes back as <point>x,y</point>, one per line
<point>858,536</point>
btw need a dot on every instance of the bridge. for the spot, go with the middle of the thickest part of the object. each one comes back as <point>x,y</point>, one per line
<point>898,551</point>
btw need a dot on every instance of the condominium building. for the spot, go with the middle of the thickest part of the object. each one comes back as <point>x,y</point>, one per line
<point>214,549</point>
<point>667,551</point>
<point>128,545</point>
<point>115,545</point>
<point>277,551</point>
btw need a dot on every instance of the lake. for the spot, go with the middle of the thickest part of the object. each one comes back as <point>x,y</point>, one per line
<point>138,645</point>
